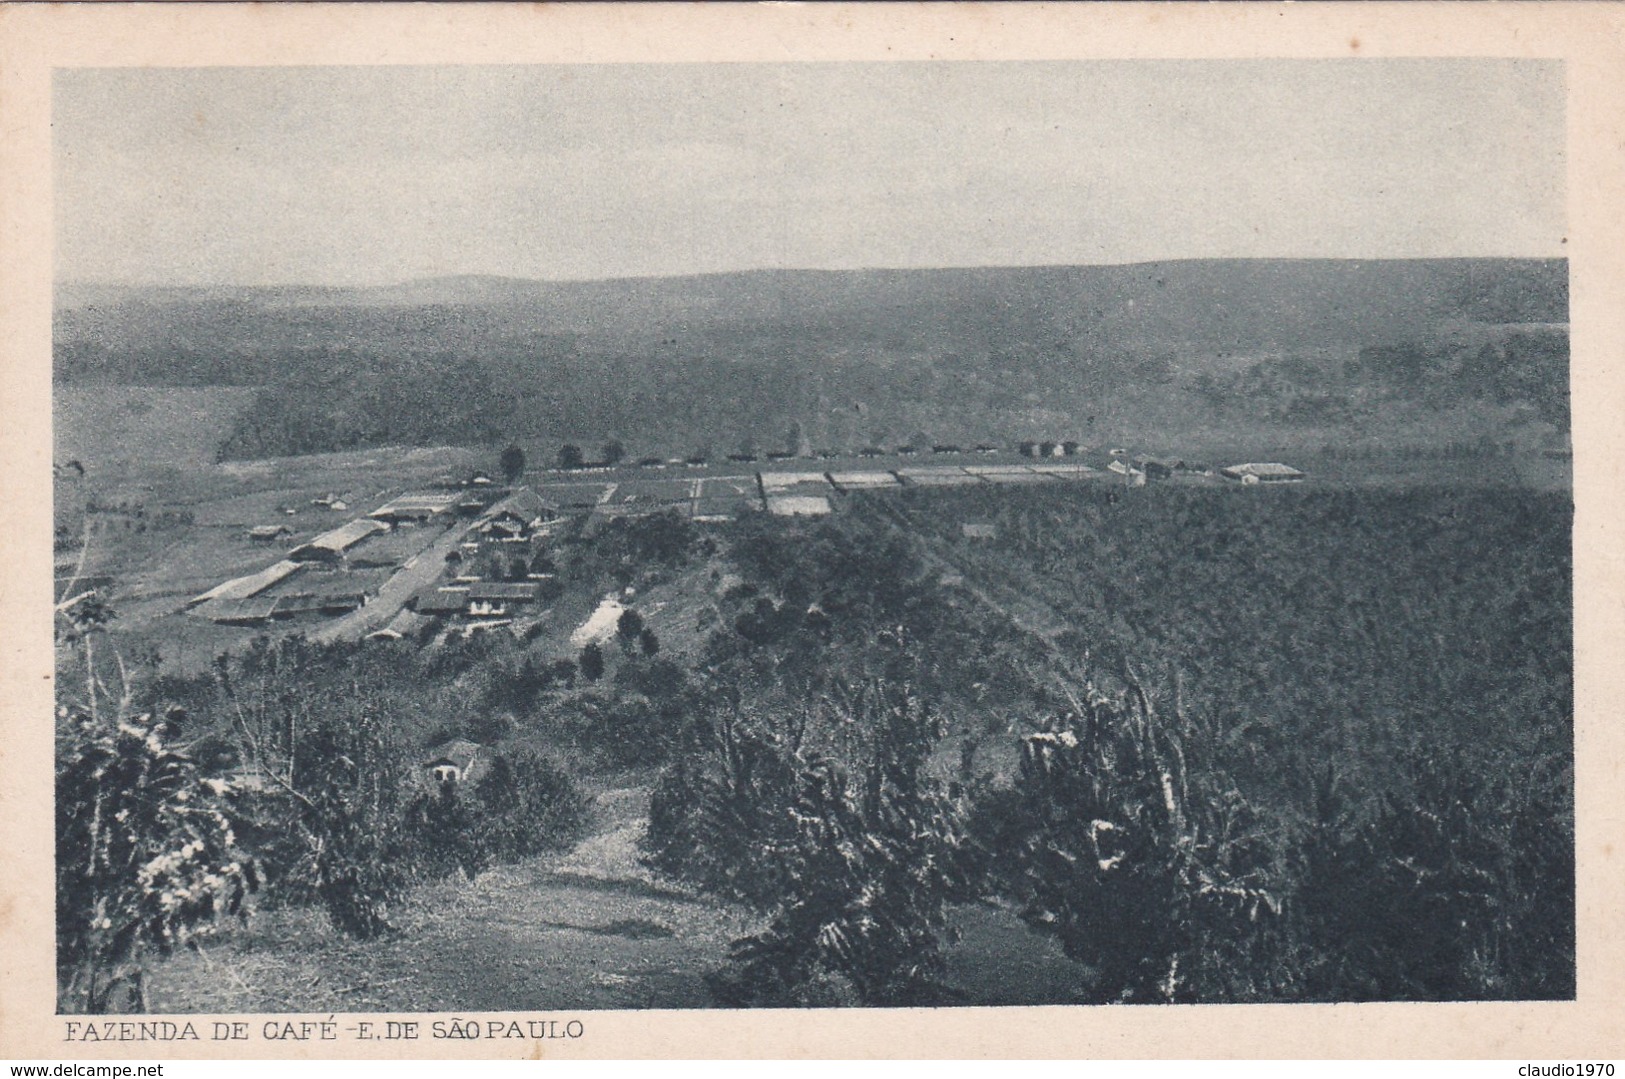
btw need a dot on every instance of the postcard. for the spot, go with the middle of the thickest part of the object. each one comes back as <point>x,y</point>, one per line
<point>545,531</point>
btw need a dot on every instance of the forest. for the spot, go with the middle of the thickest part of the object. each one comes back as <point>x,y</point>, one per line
<point>1288,745</point>
<point>851,359</point>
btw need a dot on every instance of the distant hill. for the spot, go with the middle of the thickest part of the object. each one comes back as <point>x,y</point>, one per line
<point>846,356</point>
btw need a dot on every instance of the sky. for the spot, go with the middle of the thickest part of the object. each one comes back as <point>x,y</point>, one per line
<point>375,175</point>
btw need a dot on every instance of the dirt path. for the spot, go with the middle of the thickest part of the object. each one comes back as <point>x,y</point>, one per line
<point>591,928</point>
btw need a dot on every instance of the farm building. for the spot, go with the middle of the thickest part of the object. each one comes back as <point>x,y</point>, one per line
<point>417,506</point>
<point>1265,472</point>
<point>242,612</point>
<point>404,624</point>
<point>977,530</point>
<point>493,598</point>
<point>320,579</point>
<point>526,503</point>
<point>474,503</point>
<point>389,549</point>
<point>329,603</point>
<point>857,481</point>
<point>456,761</point>
<point>441,601</point>
<point>1062,469</point>
<point>252,585</point>
<point>269,533</point>
<point>1134,476</point>
<point>506,527</point>
<point>798,505</point>
<point>331,546</point>
<point>1156,469</point>
<point>1006,474</point>
<point>936,476</point>
<point>517,516</point>
<point>258,609</point>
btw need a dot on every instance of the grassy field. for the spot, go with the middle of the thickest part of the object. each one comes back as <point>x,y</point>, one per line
<point>114,429</point>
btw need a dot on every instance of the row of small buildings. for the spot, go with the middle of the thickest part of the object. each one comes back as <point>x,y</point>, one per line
<point>339,569</point>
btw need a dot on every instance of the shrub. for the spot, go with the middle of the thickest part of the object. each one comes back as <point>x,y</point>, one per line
<point>628,627</point>
<point>592,662</point>
<point>346,791</point>
<point>1125,841</point>
<point>440,834</point>
<point>146,856</point>
<point>527,804</point>
<point>837,832</point>
<point>718,810</point>
<point>1461,889</point>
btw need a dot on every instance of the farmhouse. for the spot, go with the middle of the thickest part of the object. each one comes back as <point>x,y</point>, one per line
<point>456,761</point>
<point>517,591</point>
<point>493,598</point>
<point>1264,472</point>
<point>331,546</point>
<point>977,530</point>
<point>473,503</point>
<point>517,516</point>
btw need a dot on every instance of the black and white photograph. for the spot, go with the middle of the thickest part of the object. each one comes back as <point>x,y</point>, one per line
<point>561,538</point>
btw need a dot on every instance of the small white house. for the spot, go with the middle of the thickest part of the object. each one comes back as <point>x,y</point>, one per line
<point>456,761</point>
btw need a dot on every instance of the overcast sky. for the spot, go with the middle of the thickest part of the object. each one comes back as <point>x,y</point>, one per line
<point>375,175</point>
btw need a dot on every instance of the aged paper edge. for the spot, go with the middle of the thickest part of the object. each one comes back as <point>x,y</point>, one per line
<point>1589,38</point>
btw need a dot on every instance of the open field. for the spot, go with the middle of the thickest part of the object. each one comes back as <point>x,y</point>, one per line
<point>117,429</point>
